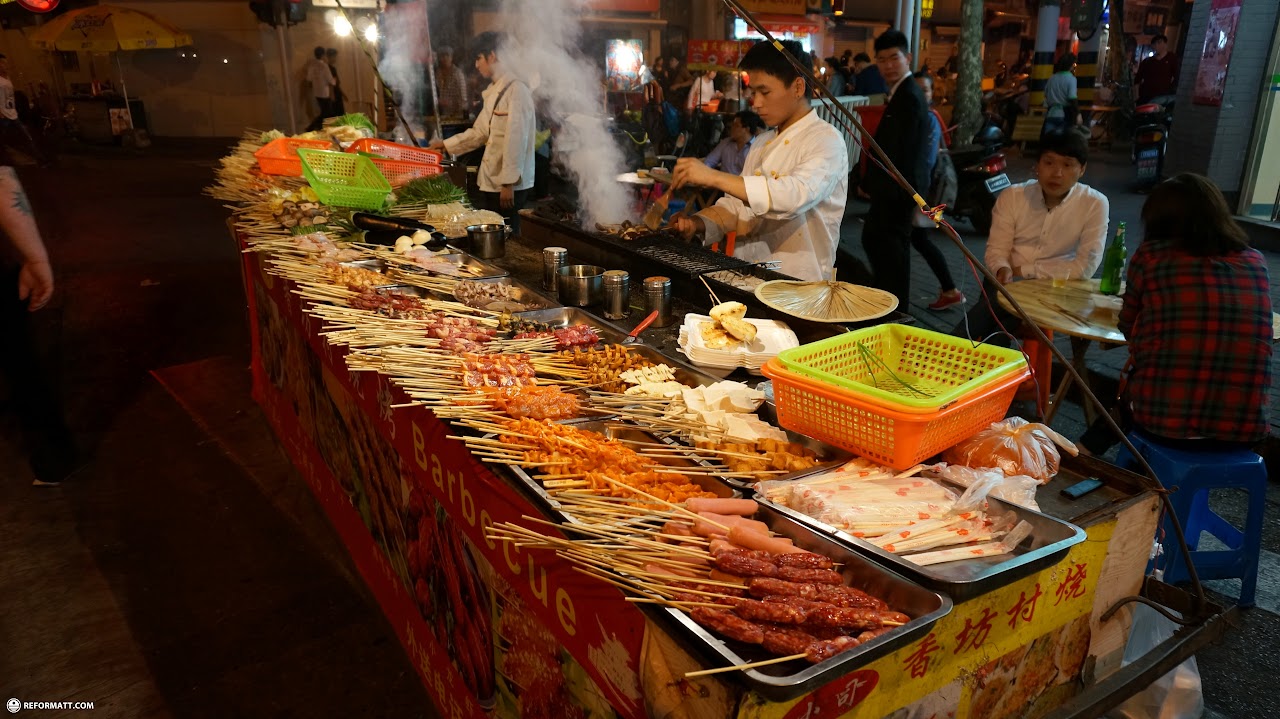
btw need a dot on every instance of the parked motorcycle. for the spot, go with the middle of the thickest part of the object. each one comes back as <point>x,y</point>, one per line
<point>980,176</point>
<point>1151,125</point>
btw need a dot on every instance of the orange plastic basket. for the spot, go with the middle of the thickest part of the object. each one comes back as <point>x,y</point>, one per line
<point>897,439</point>
<point>395,151</point>
<point>280,156</point>
<point>399,172</point>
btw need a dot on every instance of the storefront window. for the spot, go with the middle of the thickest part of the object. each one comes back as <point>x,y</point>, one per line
<point>742,32</point>
<point>1261,196</point>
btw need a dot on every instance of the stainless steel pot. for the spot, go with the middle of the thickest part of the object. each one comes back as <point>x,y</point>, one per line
<point>580,285</point>
<point>488,241</point>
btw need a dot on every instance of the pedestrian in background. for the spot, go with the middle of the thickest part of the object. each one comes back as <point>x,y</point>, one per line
<point>320,78</point>
<point>940,191</point>
<point>867,78</point>
<point>11,126</point>
<point>1060,97</point>
<point>1157,77</point>
<point>903,134</point>
<point>338,106</point>
<point>26,285</point>
<point>452,83</point>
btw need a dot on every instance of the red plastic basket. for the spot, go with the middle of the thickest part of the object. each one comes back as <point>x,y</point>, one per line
<point>395,151</point>
<point>898,439</point>
<point>398,172</point>
<point>280,156</point>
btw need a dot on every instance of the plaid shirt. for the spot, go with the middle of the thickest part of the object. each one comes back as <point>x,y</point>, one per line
<point>1199,331</point>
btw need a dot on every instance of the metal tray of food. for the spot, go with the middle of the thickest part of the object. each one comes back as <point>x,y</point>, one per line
<point>468,267</point>
<point>534,489</point>
<point>1047,544</point>
<point>518,293</point>
<point>686,374</point>
<point>828,457</point>
<point>788,680</point>
<point>562,317</point>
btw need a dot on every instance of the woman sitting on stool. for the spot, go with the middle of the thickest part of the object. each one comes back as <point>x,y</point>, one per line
<point>1197,314</point>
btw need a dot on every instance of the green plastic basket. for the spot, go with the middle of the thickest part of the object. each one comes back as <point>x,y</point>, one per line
<point>939,368</point>
<point>342,179</point>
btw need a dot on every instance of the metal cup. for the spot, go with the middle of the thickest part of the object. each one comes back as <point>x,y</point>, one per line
<point>580,285</point>
<point>617,294</point>
<point>657,294</point>
<point>488,241</point>
<point>553,258</point>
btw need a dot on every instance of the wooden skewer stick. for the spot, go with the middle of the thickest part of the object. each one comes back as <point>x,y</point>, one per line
<point>744,667</point>
<point>677,605</point>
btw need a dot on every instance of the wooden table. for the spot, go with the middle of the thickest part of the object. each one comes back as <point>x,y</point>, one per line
<point>1071,310</point>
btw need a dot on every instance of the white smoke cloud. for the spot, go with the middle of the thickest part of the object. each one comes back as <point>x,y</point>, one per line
<point>543,48</point>
<point>404,50</point>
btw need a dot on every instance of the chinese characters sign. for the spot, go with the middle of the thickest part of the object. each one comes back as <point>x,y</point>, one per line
<point>1219,41</point>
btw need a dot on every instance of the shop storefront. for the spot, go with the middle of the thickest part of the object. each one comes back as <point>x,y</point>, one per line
<point>1260,198</point>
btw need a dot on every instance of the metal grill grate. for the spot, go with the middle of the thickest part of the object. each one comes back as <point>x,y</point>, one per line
<point>693,260</point>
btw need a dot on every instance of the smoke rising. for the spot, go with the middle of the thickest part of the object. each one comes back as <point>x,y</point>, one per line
<point>404,53</point>
<point>542,48</point>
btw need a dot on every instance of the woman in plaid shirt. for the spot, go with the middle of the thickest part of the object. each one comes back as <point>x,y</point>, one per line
<point>1197,314</point>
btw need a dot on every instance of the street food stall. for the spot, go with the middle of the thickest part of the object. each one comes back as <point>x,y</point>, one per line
<point>550,537</point>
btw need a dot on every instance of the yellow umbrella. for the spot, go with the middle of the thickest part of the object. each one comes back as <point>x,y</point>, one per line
<point>106,28</point>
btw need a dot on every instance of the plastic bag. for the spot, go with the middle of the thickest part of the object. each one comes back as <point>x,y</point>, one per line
<point>1176,695</point>
<point>1018,489</point>
<point>1014,446</point>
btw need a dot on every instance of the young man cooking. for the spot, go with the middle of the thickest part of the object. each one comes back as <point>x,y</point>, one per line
<point>1052,226</point>
<point>505,128</point>
<point>788,202</point>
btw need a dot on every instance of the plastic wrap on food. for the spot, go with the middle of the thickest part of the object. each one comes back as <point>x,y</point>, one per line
<point>1015,446</point>
<point>1018,489</point>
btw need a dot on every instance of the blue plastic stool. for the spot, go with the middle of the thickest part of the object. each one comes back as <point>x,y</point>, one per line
<point>1190,475</point>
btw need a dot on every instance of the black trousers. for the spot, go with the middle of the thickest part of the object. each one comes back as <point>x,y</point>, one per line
<point>326,110</point>
<point>493,201</point>
<point>933,257</point>
<point>886,238</point>
<point>981,321</point>
<point>49,445</point>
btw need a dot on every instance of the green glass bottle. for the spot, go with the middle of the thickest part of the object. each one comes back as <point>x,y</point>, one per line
<point>1113,264</point>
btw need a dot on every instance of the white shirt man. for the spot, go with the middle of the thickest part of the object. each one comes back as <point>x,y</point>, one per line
<point>702,92</point>
<point>796,184</point>
<point>321,78</point>
<point>1030,240</point>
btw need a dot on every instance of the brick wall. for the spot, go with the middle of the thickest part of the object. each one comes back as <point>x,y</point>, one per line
<point>1216,140</point>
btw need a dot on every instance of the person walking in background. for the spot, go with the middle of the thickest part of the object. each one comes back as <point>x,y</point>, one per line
<point>941,191</point>
<point>1157,76</point>
<point>1060,97</point>
<point>320,78</point>
<point>1197,316</point>
<point>26,285</point>
<point>702,91</point>
<point>506,129</point>
<point>338,106</point>
<point>867,77</point>
<point>452,83</point>
<point>678,82</point>
<point>731,154</point>
<point>903,134</point>
<point>11,126</point>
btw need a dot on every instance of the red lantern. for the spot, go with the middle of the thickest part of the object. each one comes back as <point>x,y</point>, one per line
<point>40,6</point>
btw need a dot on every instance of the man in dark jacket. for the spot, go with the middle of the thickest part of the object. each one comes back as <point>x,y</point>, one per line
<point>903,133</point>
<point>866,77</point>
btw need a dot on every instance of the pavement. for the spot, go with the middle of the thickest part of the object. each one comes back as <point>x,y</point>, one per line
<point>183,572</point>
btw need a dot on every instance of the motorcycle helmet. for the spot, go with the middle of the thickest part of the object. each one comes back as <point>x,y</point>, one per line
<point>989,135</point>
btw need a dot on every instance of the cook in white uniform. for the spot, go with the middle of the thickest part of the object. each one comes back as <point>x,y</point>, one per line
<point>788,203</point>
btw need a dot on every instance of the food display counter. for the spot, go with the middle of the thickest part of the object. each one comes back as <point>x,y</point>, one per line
<point>460,548</point>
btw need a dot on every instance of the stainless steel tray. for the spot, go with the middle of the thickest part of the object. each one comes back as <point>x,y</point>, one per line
<point>1047,544</point>
<point>534,489</point>
<point>781,682</point>
<point>471,268</point>
<point>520,293</point>
<point>561,317</point>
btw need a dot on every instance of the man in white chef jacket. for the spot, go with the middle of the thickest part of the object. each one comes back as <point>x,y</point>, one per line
<point>788,203</point>
<point>505,128</point>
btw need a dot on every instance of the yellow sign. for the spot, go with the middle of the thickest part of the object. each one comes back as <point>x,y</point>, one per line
<point>966,650</point>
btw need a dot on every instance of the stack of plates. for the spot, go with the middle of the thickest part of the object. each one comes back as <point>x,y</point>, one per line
<point>772,337</point>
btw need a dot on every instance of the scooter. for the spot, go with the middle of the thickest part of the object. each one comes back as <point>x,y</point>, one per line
<point>980,176</point>
<point>1151,125</point>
